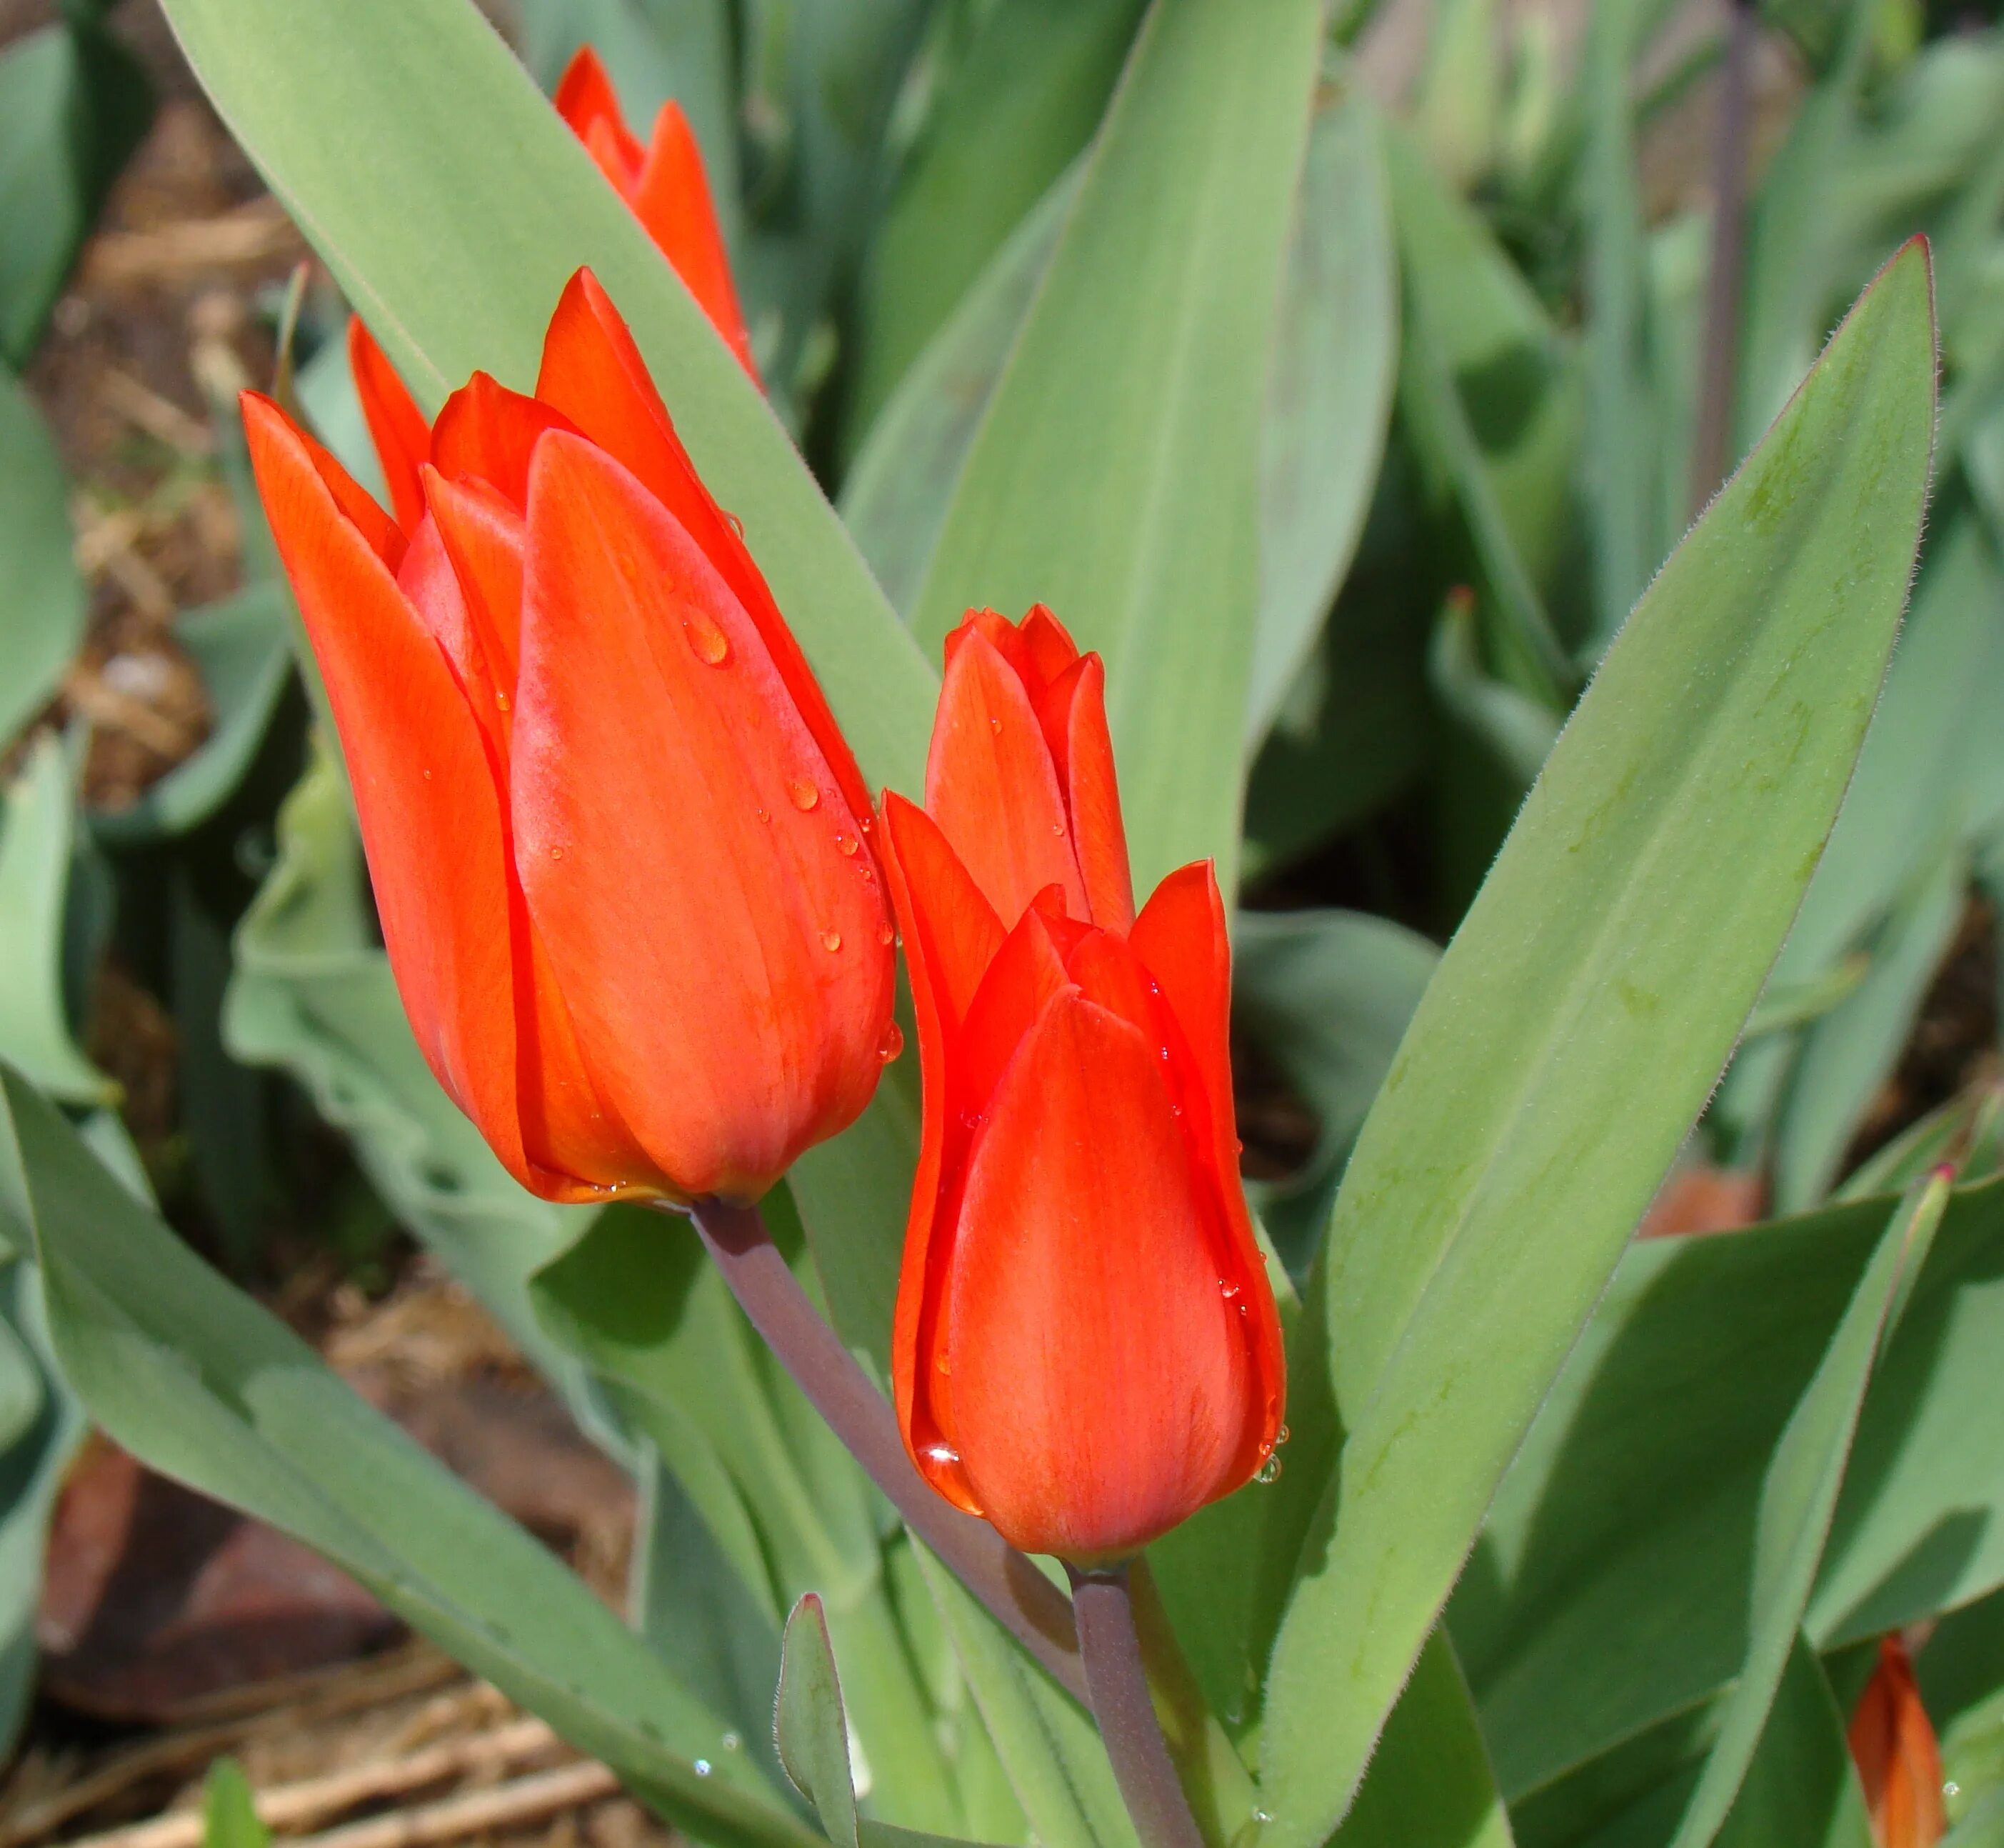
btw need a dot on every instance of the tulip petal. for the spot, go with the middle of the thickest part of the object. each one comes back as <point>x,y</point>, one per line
<point>483,536</point>
<point>991,786</point>
<point>1074,713</point>
<point>1182,938</point>
<point>594,374</point>
<point>396,426</point>
<point>691,865</point>
<point>1898,1757</point>
<point>673,200</point>
<point>951,934</point>
<point>586,99</point>
<point>378,531</point>
<point>1100,1381</point>
<point>489,433</point>
<point>424,794</point>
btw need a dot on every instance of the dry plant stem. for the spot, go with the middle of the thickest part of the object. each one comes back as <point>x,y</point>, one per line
<point>476,1812</point>
<point>1126,1711</point>
<point>1019,1597</point>
<point>1719,384</point>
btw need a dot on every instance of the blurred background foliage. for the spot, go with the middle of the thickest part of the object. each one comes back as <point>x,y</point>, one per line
<point>1493,407</point>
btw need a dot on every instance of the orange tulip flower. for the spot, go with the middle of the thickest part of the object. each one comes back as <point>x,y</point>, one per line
<point>1899,1762</point>
<point>616,839</point>
<point>1086,1348</point>
<point>665,185</point>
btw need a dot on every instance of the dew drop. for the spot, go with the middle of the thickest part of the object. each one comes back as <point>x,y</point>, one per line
<point>711,644</point>
<point>942,1452</point>
<point>803,793</point>
<point>732,1742</point>
<point>701,1767</point>
<point>764,815</point>
<point>1280,1436</point>
<point>886,935</point>
<point>1231,1289</point>
<point>556,853</point>
<point>1057,827</point>
<point>1262,1815</point>
<point>736,524</point>
<point>995,725</point>
<point>943,1364</point>
<point>428,776</point>
<point>892,1043</point>
<point>848,846</point>
<point>831,940</point>
<point>864,824</point>
<point>1269,1471</point>
<point>502,700</point>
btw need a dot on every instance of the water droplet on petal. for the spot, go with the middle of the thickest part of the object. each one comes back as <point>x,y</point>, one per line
<point>940,1453</point>
<point>995,725</point>
<point>1231,1289</point>
<point>502,700</point>
<point>1279,1437</point>
<point>892,1043</point>
<point>886,935</point>
<point>711,644</point>
<point>864,824</point>
<point>1269,1471</point>
<point>1057,827</point>
<point>428,776</point>
<point>556,853</point>
<point>737,525</point>
<point>848,846</point>
<point>803,793</point>
<point>764,815</point>
<point>831,940</point>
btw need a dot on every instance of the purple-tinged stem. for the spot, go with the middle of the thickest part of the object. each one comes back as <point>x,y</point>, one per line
<point>1021,1597</point>
<point>1718,385</point>
<point>1111,1648</point>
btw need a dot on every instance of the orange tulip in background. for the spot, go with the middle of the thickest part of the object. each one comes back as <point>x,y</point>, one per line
<point>616,840</point>
<point>1899,1762</point>
<point>665,185</point>
<point>1086,1349</point>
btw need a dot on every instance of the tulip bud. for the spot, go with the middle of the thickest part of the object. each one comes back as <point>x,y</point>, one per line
<point>616,842</point>
<point>1086,1350</point>
<point>664,183</point>
<point>1899,1762</point>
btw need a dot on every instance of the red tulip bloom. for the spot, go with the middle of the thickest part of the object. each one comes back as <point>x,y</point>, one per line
<point>665,185</point>
<point>1899,1762</point>
<point>1087,1350</point>
<point>616,837</point>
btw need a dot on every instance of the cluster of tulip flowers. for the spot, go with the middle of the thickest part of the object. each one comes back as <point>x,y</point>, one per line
<point>643,916</point>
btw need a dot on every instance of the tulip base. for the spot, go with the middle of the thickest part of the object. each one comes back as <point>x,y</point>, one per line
<point>1016,1594</point>
<point>1111,1647</point>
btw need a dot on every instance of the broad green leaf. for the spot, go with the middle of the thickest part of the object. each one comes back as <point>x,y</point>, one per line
<point>1798,1499</point>
<point>1429,1785</point>
<point>1329,394</point>
<point>1459,103</point>
<point>74,103</point>
<point>1327,995</point>
<point>1018,104</point>
<point>205,1386</point>
<point>1116,475</point>
<point>42,600</point>
<point>896,493</point>
<point>1800,1790</point>
<point>452,205</point>
<point>1612,1586</point>
<point>37,822</point>
<point>230,1817</point>
<point>1580,1018</point>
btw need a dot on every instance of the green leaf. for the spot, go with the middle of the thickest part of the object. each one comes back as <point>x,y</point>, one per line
<point>230,1817</point>
<point>1429,1785</point>
<point>1115,475</point>
<point>1798,1499</point>
<point>1335,352</point>
<point>1018,105</point>
<point>452,205</point>
<point>1327,995</point>
<point>895,494</point>
<point>196,1379</point>
<point>1612,1585</point>
<point>42,599</point>
<point>37,826</point>
<point>1580,1018</point>
<point>74,103</point>
<point>808,1722</point>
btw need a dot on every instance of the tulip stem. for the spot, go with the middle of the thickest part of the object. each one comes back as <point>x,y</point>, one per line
<point>1111,1647</point>
<point>1018,1596</point>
